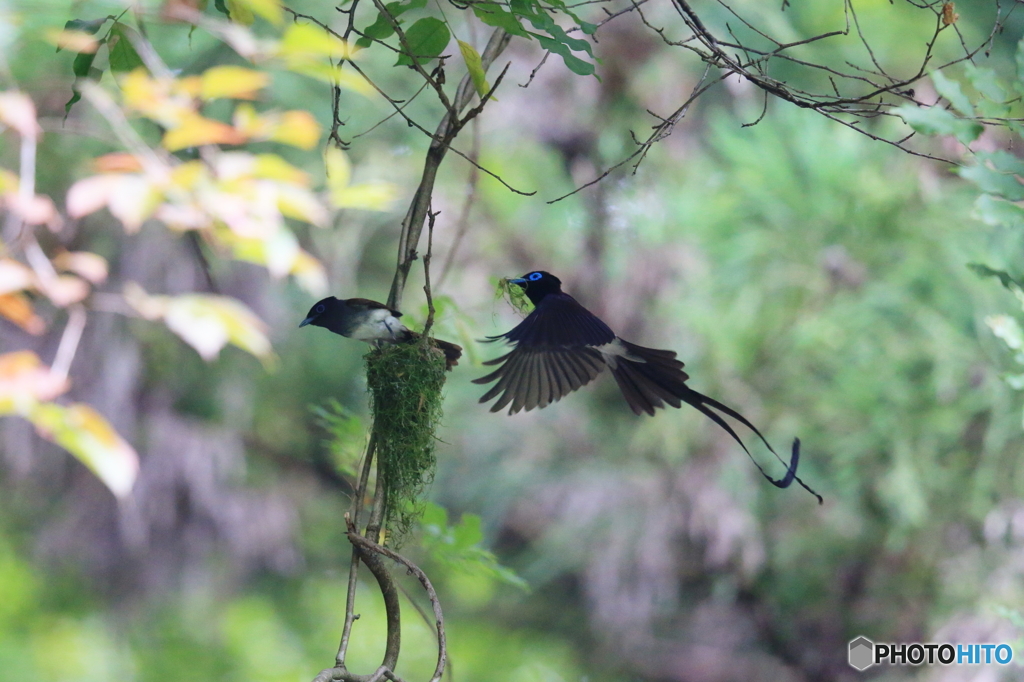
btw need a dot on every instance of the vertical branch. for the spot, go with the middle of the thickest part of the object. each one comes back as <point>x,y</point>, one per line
<point>412,224</point>
<point>431,216</point>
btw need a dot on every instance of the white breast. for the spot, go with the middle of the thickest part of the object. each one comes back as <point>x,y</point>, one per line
<point>381,325</point>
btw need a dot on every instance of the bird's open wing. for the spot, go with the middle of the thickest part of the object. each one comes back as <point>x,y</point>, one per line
<point>555,353</point>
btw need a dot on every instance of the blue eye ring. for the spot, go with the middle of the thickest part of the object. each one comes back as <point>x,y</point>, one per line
<point>320,308</point>
<point>534,276</point>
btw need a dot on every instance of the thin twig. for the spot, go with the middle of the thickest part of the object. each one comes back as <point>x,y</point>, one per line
<point>431,217</point>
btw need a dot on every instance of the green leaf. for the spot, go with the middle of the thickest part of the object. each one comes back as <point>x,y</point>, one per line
<point>457,547</point>
<point>123,56</point>
<point>90,26</point>
<point>998,213</point>
<point>83,63</point>
<point>575,64</point>
<point>1020,65</point>
<point>476,68</point>
<point>984,271</point>
<point>544,22</point>
<point>427,38</point>
<point>938,121</point>
<point>1003,161</point>
<point>82,68</point>
<point>993,182</point>
<point>468,532</point>
<point>986,82</point>
<point>221,7</point>
<point>381,27</point>
<point>494,15</point>
<point>1007,329</point>
<point>950,89</point>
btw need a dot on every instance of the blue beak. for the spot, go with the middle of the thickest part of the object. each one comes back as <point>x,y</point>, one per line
<point>518,280</point>
<point>306,321</point>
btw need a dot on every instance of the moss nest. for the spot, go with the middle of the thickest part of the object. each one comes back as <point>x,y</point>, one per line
<point>405,382</point>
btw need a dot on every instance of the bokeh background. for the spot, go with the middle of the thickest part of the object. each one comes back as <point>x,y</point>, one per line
<point>810,277</point>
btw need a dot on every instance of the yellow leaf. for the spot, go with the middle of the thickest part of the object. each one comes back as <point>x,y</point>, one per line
<point>248,122</point>
<point>476,68</point>
<point>240,13</point>
<point>9,182</point>
<point>140,92</point>
<point>232,82</point>
<point>330,73</point>
<point>307,40</point>
<point>204,321</point>
<point>273,167</point>
<point>268,9</point>
<point>190,86</point>
<point>301,204</point>
<point>376,196</point>
<point>339,170</point>
<point>190,174</point>
<point>76,41</point>
<point>87,435</point>
<point>16,308</point>
<point>297,128</point>
<point>208,322</point>
<point>195,130</point>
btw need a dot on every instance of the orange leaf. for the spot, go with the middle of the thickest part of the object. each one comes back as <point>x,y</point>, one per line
<point>117,162</point>
<point>195,131</point>
<point>24,378</point>
<point>17,309</point>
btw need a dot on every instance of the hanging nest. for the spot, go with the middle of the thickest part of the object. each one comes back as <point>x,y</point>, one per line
<point>405,382</point>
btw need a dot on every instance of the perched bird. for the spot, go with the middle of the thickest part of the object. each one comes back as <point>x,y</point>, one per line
<point>561,346</point>
<point>370,321</point>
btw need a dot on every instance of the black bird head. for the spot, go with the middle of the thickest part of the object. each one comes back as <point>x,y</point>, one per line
<point>538,284</point>
<point>322,313</point>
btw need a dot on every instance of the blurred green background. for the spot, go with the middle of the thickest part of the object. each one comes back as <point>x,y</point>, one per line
<point>810,277</point>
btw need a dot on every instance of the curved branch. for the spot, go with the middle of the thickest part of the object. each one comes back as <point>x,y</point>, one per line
<point>442,650</point>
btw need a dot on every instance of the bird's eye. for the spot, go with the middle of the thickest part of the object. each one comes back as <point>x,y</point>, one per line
<point>320,308</point>
<point>534,276</point>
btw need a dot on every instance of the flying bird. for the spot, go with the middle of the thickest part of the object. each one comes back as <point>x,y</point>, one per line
<point>372,322</point>
<point>561,346</point>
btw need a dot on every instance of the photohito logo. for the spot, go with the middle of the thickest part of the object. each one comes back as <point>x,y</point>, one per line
<point>863,653</point>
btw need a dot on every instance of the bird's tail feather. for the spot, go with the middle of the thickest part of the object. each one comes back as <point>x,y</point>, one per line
<point>656,378</point>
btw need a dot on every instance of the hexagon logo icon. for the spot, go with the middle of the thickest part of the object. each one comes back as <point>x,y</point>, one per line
<point>862,653</point>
